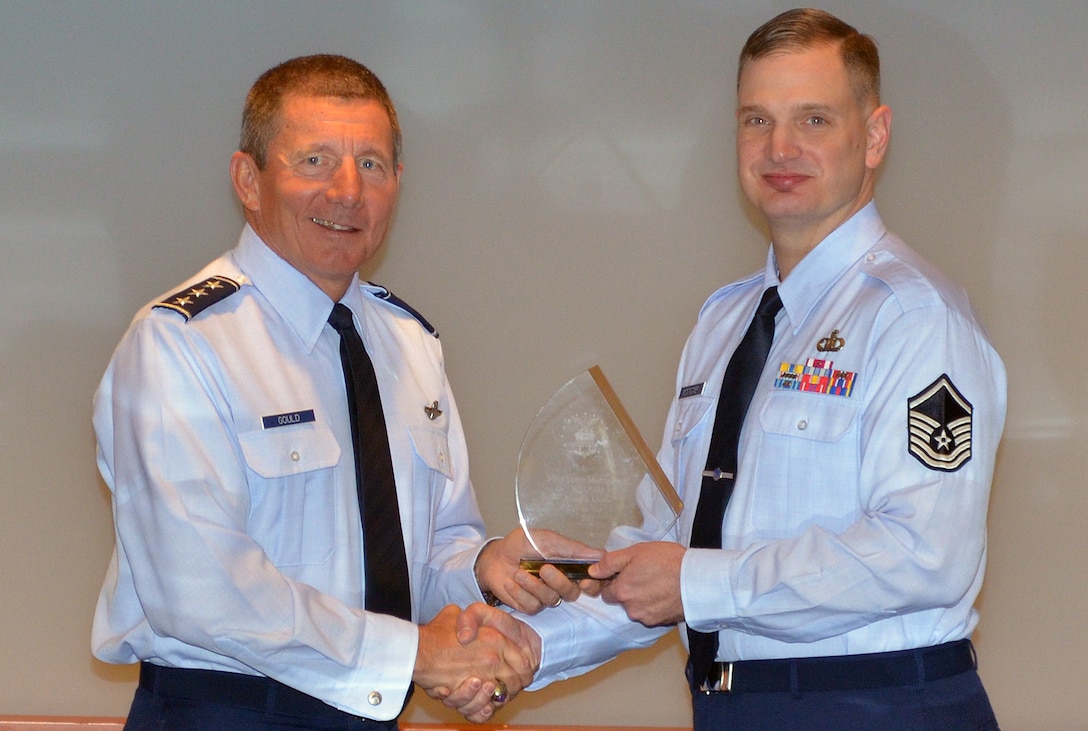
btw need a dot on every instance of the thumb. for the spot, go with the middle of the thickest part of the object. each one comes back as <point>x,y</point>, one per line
<point>609,565</point>
<point>468,625</point>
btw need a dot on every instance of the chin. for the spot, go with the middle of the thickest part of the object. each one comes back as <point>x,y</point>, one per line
<point>784,210</point>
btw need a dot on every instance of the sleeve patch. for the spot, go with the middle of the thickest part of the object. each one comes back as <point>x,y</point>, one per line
<point>191,301</point>
<point>939,426</point>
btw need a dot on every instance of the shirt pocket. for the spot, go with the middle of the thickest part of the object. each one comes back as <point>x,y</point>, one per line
<point>807,471</point>
<point>432,468</point>
<point>694,417</point>
<point>293,509</point>
<point>432,451</point>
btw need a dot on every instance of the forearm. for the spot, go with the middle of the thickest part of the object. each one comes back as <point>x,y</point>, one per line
<point>819,585</point>
<point>581,636</point>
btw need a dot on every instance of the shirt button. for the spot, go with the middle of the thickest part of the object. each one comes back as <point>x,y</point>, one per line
<point>375,698</point>
<point>802,425</point>
<point>295,456</point>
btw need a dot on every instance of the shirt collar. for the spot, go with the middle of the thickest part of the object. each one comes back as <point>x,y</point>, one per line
<point>826,263</point>
<point>297,300</point>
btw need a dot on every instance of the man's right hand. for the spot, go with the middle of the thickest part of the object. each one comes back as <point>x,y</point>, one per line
<point>473,667</point>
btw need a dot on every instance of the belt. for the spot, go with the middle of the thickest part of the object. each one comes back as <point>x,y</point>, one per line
<point>255,692</point>
<point>842,672</point>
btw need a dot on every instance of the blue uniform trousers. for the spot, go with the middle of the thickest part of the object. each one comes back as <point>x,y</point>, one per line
<point>958,703</point>
<point>172,699</point>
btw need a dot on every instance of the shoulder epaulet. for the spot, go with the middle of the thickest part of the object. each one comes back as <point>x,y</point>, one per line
<point>729,288</point>
<point>384,294</point>
<point>912,281</point>
<point>193,300</point>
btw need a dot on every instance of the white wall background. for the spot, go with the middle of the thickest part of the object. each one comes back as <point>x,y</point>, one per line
<point>568,199</point>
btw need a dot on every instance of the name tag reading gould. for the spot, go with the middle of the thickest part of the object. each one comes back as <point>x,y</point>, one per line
<point>585,472</point>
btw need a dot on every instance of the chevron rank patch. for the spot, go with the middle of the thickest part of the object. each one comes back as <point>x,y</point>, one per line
<point>191,301</point>
<point>939,426</point>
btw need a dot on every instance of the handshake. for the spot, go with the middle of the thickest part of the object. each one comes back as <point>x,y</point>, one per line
<point>477,659</point>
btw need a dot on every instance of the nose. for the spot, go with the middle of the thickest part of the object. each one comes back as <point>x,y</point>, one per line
<point>346,185</point>
<point>782,143</point>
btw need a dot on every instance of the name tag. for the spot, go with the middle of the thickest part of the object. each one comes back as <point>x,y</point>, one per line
<point>293,417</point>
<point>689,391</point>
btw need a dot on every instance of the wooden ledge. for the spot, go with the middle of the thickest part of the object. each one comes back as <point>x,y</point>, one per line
<point>74,723</point>
<point>60,723</point>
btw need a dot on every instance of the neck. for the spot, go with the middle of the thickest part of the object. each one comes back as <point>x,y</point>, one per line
<point>790,247</point>
<point>794,239</point>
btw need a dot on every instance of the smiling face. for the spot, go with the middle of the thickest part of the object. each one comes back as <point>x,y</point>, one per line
<point>807,146</point>
<point>325,197</point>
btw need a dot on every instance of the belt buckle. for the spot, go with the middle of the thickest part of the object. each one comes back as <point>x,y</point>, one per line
<point>719,679</point>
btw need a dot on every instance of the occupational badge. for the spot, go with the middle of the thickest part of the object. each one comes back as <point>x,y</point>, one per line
<point>831,344</point>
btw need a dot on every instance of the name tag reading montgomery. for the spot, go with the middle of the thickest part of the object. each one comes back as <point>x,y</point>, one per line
<point>288,419</point>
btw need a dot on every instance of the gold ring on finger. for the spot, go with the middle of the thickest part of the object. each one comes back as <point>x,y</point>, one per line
<point>501,694</point>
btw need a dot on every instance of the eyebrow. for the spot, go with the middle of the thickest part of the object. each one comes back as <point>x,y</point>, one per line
<point>807,108</point>
<point>322,147</point>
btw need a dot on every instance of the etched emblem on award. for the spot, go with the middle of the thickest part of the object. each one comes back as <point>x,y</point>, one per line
<point>585,472</point>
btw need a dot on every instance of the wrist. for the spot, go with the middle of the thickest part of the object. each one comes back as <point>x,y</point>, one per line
<point>489,596</point>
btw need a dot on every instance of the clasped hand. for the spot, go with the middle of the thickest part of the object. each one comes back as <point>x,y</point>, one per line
<point>463,656</point>
<point>496,650</point>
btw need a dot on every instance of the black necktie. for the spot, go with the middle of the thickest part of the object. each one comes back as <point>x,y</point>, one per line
<point>387,588</point>
<point>738,385</point>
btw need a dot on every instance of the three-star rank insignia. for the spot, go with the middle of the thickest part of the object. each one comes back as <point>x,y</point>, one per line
<point>193,300</point>
<point>939,426</point>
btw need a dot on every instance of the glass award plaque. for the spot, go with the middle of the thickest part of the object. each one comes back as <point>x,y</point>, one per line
<point>585,472</point>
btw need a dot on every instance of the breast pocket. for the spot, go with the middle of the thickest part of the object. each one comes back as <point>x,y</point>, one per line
<point>432,452</point>
<point>294,506</point>
<point>432,467</point>
<point>694,418</point>
<point>807,472</point>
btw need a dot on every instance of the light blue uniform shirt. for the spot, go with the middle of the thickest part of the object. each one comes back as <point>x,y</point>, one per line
<point>226,443</point>
<point>844,534</point>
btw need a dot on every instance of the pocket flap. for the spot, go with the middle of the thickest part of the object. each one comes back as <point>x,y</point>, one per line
<point>432,447</point>
<point>290,450</point>
<point>690,413</point>
<point>820,417</point>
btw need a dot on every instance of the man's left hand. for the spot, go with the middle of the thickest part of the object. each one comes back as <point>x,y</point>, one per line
<point>498,571</point>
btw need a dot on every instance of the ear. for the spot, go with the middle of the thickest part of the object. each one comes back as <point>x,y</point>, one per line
<point>878,133</point>
<point>246,177</point>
